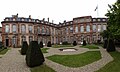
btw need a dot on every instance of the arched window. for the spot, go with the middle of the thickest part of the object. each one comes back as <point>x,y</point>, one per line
<point>14,41</point>
<point>71,29</point>
<point>99,28</point>
<point>38,29</point>
<point>88,28</point>
<point>14,28</point>
<point>23,39</point>
<point>104,27</point>
<point>82,28</point>
<point>94,28</point>
<point>30,29</point>
<point>47,30</point>
<point>66,29</point>
<point>43,30</point>
<point>76,29</point>
<point>23,29</point>
<point>7,28</point>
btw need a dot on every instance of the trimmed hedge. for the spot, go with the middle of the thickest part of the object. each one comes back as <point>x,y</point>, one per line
<point>24,48</point>
<point>84,43</point>
<point>105,43</point>
<point>41,44</point>
<point>74,43</point>
<point>34,55</point>
<point>111,45</point>
<point>65,43</point>
<point>49,44</point>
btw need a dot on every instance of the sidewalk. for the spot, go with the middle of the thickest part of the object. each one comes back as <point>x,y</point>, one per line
<point>12,61</point>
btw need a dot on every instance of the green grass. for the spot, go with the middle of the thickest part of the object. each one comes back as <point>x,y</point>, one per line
<point>42,68</point>
<point>113,66</point>
<point>44,50</point>
<point>59,46</point>
<point>90,46</point>
<point>2,52</point>
<point>76,60</point>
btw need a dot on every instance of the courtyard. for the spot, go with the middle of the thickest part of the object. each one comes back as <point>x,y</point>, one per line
<point>90,58</point>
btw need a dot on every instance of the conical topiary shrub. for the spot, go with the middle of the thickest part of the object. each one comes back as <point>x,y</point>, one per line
<point>24,48</point>
<point>84,43</point>
<point>49,44</point>
<point>110,45</point>
<point>41,44</point>
<point>74,43</point>
<point>105,43</point>
<point>34,56</point>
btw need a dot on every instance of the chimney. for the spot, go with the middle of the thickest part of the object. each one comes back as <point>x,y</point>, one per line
<point>64,21</point>
<point>48,19</point>
<point>17,15</point>
<point>29,16</point>
<point>52,21</point>
<point>43,19</point>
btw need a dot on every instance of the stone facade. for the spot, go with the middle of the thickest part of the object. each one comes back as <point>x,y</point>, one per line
<point>17,29</point>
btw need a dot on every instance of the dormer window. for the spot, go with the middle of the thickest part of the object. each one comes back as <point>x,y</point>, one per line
<point>6,19</point>
<point>94,19</point>
<point>22,19</point>
<point>13,19</point>
<point>98,19</point>
<point>103,19</point>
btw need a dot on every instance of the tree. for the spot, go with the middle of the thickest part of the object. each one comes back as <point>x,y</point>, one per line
<point>34,55</point>
<point>74,43</point>
<point>41,44</point>
<point>113,25</point>
<point>84,43</point>
<point>49,44</point>
<point>24,48</point>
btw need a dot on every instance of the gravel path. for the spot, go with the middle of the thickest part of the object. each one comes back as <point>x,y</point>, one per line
<point>106,58</point>
<point>12,61</point>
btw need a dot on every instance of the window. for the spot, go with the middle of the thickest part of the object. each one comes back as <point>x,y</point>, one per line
<point>23,29</point>
<point>30,29</point>
<point>14,41</point>
<point>94,28</point>
<point>7,28</point>
<point>66,29</point>
<point>43,30</point>
<point>71,29</point>
<point>47,31</point>
<point>82,28</point>
<point>23,39</point>
<point>30,39</point>
<point>88,28</point>
<point>38,30</point>
<point>14,28</point>
<point>76,29</point>
<point>99,28</point>
<point>104,27</point>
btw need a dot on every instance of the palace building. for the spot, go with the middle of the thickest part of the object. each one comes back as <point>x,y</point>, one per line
<point>16,29</point>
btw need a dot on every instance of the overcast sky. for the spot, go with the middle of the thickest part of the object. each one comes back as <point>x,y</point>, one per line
<point>57,10</point>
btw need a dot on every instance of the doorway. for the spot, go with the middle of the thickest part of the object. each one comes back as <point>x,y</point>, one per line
<point>7,42</point>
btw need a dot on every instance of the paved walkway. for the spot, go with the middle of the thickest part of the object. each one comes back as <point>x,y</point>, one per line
<point>12,61</point>
<point>106,58</point>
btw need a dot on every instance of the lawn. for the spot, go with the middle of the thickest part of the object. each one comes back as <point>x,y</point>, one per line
<point>77,60</point>
<point>44,50</point>
<point>91,46</point>
<point>59,46</point>
<point>42,68</point>
<point>113,66</point>
<point>2,52</point>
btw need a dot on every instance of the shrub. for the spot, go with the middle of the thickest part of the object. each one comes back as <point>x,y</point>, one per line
<point>105,43</point>
<point>1,45</point>
<point>84,43</point>
<point>65,43</point>
<point>24,48</point>
<point>74,43</point>
<point>49,44</point>
<point>41,44</point>
<point>111,45</point>
<point>34,55</point>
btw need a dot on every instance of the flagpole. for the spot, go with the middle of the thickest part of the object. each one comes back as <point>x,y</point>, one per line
<point>97,11</point>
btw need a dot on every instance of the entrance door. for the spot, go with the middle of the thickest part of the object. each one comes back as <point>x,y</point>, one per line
<point>7,42</point>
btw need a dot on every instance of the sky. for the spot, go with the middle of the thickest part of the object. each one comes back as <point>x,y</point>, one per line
<point>57,10</point>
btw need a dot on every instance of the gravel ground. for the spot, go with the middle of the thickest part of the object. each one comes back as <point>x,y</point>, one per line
<point>12,61</point>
